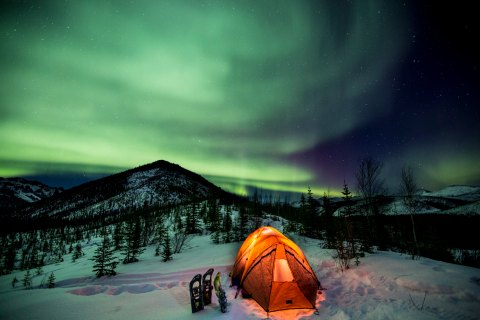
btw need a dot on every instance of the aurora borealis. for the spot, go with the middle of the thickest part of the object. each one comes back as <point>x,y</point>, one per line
<point>274,94</point>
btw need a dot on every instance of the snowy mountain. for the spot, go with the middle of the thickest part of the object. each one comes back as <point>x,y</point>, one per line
<point>467,193</point>
<point>385,285</point>
<point>154,185</point>
<point>450,200</point>
<point>18,192</point>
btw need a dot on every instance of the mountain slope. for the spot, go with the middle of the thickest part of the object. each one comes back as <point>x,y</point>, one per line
<point>18,192</point>
<point>450,200</point>
<point>156,184</point>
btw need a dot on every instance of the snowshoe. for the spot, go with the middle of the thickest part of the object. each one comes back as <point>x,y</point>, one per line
<point>196,297</point>
<point>207,287</point>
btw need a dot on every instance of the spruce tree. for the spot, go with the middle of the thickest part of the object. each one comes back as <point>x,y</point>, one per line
<point>27,280</point>
<point>345,243</point>
<point>10,257</point>
<point>347,213</point>
<point>189,223</point>
<point>51,281</point>
<point>105,262</point>
<point>328,222</point>
<point>408,187</point>
<point>227,226</point>
<point>39,270</point>
<point>242,221</point>
<point>214,221</point>
<point>132,246</point>
<point>33,258</point>
<point>213,215</point>
<point>118,236</point>
<point>215,236</point>
<point>310,215</point>
<point>303,213</point>
<point>167,250</point>
<point>77,253</point>
<point>160,233</point>
<point>257,212</point>
<point>192,223</point>
<point>14,281</point>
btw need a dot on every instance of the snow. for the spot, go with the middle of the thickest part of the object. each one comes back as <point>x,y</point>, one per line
<point>385,285</point>
<point>27,190</point>
<point>470,193</point>
<point>397,207</point>
<point>138,178</point>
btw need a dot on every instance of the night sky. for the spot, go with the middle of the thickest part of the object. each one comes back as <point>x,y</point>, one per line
<point>279,95</point>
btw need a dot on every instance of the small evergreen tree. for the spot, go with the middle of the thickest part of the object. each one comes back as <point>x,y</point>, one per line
<point>10,257</point>
<point>39,270</point>
<point>167,250</point>
<point>105,262</point>
<point>192,223</point>
<point>345,244</point>
<point>256,210</point>
<point>302,213</point>
<point>214,221</point>
<point>242,221</point>
<point>14,281</point>
<point>27,280</point>
<point>33,258</point>
<point>132,247</point>
<point>227,226</point>
<point>347,214</point>
<point>213,216</point>
<point>77,253</point>
<point>328,222</point>
<point>215,236</point>
<point>118,236</point>
<point>310,217</point>
<point>160,234</point>
<point>51,281</point>
<point>408,187</point>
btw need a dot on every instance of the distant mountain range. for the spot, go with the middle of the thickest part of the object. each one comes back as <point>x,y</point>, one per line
<point>456,199</point>
<point>17,193</point>
<point>160,184</point>
<point>157,184</point>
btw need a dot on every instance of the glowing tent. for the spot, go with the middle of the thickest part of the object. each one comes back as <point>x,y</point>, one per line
<point>274,271</point>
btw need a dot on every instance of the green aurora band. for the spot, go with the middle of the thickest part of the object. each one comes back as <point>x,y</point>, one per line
<point>225,89</point>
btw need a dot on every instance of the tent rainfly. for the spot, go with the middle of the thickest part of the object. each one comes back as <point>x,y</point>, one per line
<point>274,271</point>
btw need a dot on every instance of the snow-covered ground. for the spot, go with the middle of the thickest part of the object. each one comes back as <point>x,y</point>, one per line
<point>469,193</point>
<point>385,285</point>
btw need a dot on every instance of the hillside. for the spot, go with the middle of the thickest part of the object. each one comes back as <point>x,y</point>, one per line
<point>157,184</point>
<point>458,200</point>
<point>16,193</point>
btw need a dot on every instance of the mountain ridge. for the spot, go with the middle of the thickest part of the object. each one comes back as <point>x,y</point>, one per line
<point>17,192</point>
<point>156,184</point>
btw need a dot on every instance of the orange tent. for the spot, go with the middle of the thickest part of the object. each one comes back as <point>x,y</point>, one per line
<point>274,271</point>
